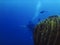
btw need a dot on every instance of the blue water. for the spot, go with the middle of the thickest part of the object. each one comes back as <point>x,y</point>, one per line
<point>16,14</point>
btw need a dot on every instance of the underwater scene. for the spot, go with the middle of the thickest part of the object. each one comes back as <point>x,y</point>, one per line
<point>29,22</point>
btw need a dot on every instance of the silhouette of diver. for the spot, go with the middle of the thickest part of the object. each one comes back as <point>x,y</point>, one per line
<point>31,25</point>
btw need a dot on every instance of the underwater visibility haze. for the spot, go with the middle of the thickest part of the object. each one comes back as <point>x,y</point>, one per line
<point>18,19</point>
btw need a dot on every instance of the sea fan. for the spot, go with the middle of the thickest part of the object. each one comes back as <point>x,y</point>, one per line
<point>47,32</point>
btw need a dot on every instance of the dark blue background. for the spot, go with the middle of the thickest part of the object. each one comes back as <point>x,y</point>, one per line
<point>15,14</point>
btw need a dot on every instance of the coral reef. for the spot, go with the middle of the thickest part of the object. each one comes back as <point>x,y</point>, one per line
<point>47,32</point>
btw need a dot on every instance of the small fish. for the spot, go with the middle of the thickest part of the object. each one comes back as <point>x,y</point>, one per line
<point>43,12</point>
